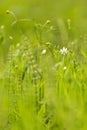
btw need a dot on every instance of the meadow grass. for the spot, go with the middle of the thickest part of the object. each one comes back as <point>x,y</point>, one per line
<point>43,79</point>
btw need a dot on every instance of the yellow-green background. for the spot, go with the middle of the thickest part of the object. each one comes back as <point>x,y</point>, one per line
<point>47,9</point>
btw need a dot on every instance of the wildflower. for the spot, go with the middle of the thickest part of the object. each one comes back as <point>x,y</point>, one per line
<point>64,68</point>
<point>64,51</point>
<point>44,52</point>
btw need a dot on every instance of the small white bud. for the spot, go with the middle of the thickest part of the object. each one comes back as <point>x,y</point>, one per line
<point>44,52</point>
<point>64,68</point>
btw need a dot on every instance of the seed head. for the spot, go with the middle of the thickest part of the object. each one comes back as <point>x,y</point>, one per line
<point>48,22</point>
<point>7,12</point>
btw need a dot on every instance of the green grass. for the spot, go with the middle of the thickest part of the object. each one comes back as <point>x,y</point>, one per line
<point>43,74</point>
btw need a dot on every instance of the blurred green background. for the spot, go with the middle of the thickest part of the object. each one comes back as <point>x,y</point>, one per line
<point>52,74</point>
<point>40,11</point>
<point>47,9</point>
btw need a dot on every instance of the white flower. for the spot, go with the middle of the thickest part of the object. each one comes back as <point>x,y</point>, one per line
<point>44,52</point>
<point>64,51</point>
